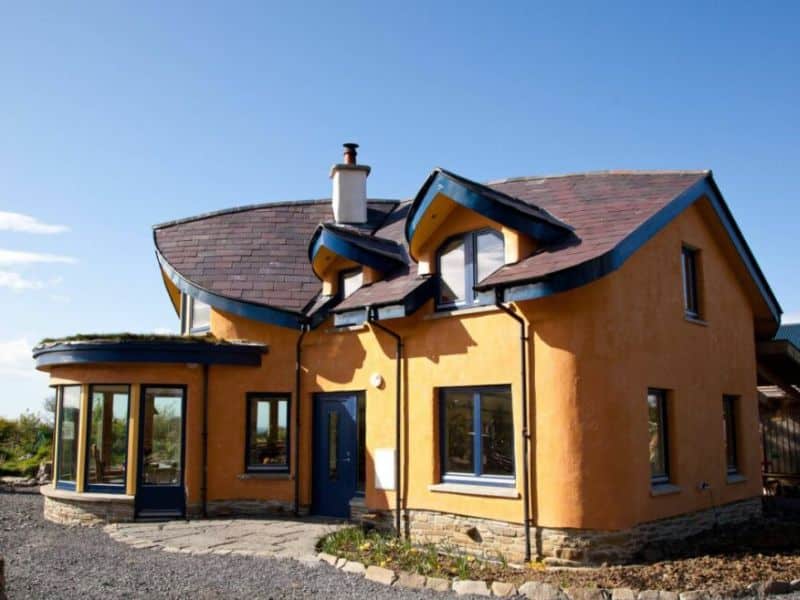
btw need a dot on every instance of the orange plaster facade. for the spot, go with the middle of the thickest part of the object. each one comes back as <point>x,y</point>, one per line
<point>594,353</point>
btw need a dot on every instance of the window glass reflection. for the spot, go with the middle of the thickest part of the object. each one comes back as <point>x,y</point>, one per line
<point>107,442</point>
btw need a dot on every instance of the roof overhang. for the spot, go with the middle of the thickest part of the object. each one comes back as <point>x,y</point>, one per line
<point>496,206</point>
<point>387,310</point>
<point>250,310</point>
<point>148,351</point>
<point>768,310</point>
<point>347,247</point>
<point>778,363</point>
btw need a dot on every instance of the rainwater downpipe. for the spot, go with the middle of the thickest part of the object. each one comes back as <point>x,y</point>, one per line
<point>204,486</point>
<point>371,318</point>
<point>304,327</point>
<point>523,343</point>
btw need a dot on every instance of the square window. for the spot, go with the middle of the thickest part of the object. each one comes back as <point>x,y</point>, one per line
<point>351,281</point>
<point>195,315</point>
<point>267,432</point>
<point>463,262</point>
<point>477,435</point>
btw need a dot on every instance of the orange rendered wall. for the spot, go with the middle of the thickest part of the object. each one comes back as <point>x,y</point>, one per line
<point>599,348</point>
<point>595,351</point>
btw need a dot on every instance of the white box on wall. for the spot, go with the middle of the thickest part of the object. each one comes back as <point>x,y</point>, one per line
<point>384,469</point>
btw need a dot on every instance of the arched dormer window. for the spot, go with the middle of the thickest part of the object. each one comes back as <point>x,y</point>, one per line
<point>465,260</point>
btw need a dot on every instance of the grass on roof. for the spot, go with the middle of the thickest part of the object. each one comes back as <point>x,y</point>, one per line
<point>134,337</point>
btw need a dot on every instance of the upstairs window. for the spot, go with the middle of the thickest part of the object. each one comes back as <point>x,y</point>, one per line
<point>729,433</point>
<point>657,430</point>
<point>350,281</point>
<point>195,316</point>
<point>691,299</point>
<point>465,261</point>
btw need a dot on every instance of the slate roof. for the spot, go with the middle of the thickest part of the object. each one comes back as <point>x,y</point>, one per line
<point>790,333</point>
<point>369,242</point>
<point>260,253</point>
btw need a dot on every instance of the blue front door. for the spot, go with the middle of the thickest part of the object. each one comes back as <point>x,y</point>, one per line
<point>335,479</point>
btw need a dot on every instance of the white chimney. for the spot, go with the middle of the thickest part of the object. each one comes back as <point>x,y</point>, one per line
<point>350,188</point>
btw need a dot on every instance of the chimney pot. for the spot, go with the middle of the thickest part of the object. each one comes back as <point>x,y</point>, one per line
<point>350,153</point>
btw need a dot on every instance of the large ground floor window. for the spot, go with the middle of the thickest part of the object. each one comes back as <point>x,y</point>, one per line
<point>69,418</point>
<point>107,439</point>
<point>477,434</point>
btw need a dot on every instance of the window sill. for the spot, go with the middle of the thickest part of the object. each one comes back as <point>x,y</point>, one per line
<point>457,312</point>
<point>346,328</point>
<point>735,478</point>
<point>664,489</point>
<point>475,490</point>
<point>49,491</point>
<point>695,320</point>
<point>264,475</point>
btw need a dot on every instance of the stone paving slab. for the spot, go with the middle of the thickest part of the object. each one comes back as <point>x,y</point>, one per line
<point>282,538</point>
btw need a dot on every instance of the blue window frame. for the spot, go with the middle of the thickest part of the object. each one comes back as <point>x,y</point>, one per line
<point>267,442</point>
<point>462,262</point>
<point>477,435</point>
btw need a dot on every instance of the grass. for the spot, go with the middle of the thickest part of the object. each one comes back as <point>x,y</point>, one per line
<point>384,550</point>
<point>25,466</point>
<point>132,337</point>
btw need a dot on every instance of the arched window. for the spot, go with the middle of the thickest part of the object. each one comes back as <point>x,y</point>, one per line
<point>463,262</point>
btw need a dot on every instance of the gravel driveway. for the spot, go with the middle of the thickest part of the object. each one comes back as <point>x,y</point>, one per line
<point>45,560</point>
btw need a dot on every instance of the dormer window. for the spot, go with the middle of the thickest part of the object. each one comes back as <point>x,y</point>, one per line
<point>463,262</point>
<point>195,315</point>
<point>350,281</point>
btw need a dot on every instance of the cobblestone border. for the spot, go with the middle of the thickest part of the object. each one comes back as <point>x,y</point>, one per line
<point>535,590</point>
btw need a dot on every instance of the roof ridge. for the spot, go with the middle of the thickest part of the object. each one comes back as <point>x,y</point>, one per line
<point>603,172</point>
<point>246,207</point>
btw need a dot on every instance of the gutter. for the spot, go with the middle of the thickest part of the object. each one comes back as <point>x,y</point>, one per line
<point>371,318</point>
<point>523,342</point>
<point>296,458</point>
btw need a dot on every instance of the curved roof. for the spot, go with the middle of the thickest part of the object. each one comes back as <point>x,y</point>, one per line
<point>254,260</point>
<point>256,254</point>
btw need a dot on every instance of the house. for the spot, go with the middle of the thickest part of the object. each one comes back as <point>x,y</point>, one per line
<point>779,409</point>
<point>560,367</point>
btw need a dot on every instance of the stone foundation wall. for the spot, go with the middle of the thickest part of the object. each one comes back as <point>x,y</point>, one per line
<point>80,512</point>
<point>491,539</point>
<point>593,547</point>
<point>481,537</point>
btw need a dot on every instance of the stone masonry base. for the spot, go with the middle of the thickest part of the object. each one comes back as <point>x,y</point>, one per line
<point>81,512</point>
<point>594,547</point>
<point>492,540</point>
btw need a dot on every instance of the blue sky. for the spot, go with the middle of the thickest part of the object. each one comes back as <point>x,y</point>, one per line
<point>117,116</point>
